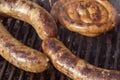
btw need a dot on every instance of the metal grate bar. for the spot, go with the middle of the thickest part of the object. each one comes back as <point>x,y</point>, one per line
<point>62,77</point>
<point>11,25</point>
<point>24,41</point>
<point>117,51</point>
<point>108,51</point>
<point>31,76</point>
<point>96,62</point>
<point>12,73</point>
<point>32,44</point>
<point>42,76</point>
<point>21,75</point>
<point>3,69</point>
<point>89,44</point>
<point>80,45</point>
<point>52,77</point>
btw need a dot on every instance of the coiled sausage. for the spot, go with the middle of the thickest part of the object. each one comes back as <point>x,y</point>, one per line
<point>75,68</point>
<point>87,17</point>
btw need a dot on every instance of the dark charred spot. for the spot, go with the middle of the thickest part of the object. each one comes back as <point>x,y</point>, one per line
<point>45,19</point>
<point>64,18</point>
<point>86,71</point>
<point>31,6</point>
<point>23,1</point>
<point>50,43</point>
<point>53,46</point>
<point>8,44</point>
<point>11,1</point>
<point>100,24</point>
<point>89,24</point>
<point>25,55</point>
<point>43,16</point>
<point>1,36</point>
<point>92,73</point>
<point>84,4</point>
<point>50,27</point>
<point>80,24</point>
<point>34,59</point>
<point>22,54</point>
<point>96,17</point>
<point>68,59</point>
<point>72,21</point>
<point>114,75</point>
<point>100,74</point>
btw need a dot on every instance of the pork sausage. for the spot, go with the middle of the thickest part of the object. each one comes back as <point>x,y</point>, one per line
<point>72,66</point>
<point>86,17</point>
<point>20,55</point>
<point>32,13</point>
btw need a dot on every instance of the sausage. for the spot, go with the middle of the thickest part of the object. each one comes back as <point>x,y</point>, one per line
<point>20,55</point>
<point>72,66</point>
<point>87,17</point>
<point>31,13</point>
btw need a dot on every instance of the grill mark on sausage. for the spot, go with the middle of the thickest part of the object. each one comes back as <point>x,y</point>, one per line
<point>11,1</point>
<point>84,4</point>
<point>25,55</point>
<point>75,67</point>
<point>8,44</point>
<point>98,74</point>
<point>23,1</point>
<point>22,53</point>
<point>67,59</point>
<point>31,6</point>
<point>91,72</point>
<point>53,46</point>
<point>34,60</point>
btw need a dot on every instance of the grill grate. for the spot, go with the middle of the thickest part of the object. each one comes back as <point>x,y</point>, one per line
<point>102,51</point>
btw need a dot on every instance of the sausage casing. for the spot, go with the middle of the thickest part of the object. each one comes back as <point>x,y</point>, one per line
<point>87,17</point>
<point>32,13</point>
<point>75,68</point>
<point>20,55</point>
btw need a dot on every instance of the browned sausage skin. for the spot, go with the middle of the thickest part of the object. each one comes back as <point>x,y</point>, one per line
<point>87,17</point>
<point>20,55</point>
<point>32,13</point>
<point>72,66</point>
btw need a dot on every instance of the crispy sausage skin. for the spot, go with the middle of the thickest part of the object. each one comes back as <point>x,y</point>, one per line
<point>72,66</point>
<point>32,13</point>
<point>87,17</point>
<point>20,55</point>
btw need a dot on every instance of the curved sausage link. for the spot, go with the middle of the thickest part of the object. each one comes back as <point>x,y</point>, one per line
<point>87,17</point>
<point>32,13</point>
<point>20,55</point>
<point>72,66</point>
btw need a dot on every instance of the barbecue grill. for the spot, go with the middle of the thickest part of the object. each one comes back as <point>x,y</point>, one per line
<point>102,51</point>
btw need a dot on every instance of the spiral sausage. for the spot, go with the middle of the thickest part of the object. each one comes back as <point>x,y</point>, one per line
<point>32,13</point>
<point>87,17</point>
<point>20,55</point>
<point>72,66</point>
<point>15,52</point>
